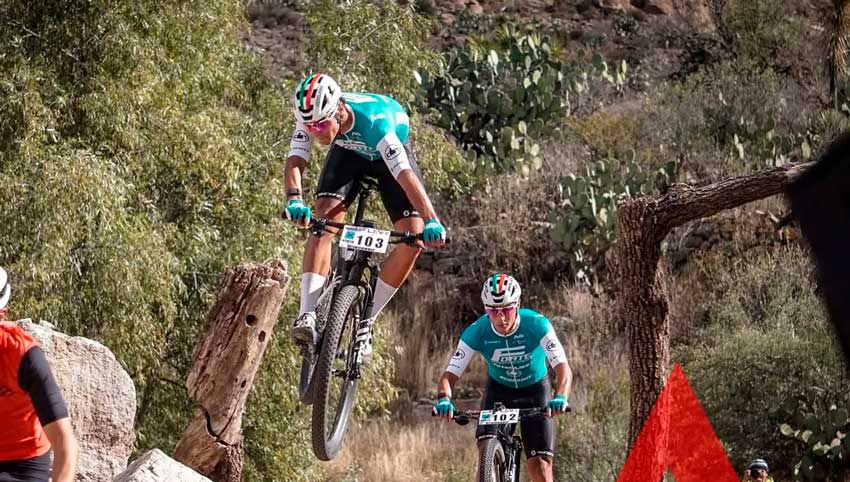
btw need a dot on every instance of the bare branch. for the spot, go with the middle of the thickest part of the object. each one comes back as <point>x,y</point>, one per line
<point>684,203</point>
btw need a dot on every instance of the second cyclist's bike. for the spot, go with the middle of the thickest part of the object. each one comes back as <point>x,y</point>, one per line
<point>499,457</point>
<point>331,370</point>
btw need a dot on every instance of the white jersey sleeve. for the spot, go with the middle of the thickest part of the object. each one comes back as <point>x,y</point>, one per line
<point>300,143</point>
<point>553,349</point>
<point>460,359</point>
<point>393,153</point>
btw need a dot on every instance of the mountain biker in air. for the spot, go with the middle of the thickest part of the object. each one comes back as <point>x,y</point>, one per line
<point>370,137</point>
<point>516,343</point>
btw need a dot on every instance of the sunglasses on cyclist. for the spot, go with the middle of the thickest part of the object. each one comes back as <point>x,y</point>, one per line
<point>319,126</point>
<point>500,310</point>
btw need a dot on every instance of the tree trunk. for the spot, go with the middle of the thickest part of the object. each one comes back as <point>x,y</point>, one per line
<point>642,224</point>
<point>226,359</point>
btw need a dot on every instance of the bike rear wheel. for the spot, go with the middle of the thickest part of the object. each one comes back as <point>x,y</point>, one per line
<point>333,375</point>
<point>491,462</point>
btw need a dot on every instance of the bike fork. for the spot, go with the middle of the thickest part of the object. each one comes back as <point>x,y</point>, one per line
<point>364,324</point>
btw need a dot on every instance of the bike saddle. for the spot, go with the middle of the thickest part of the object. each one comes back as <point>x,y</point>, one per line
<point>369,183</point>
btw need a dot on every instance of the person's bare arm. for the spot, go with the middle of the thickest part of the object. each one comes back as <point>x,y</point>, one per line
<point>416,193</point>
<point>292,175</point>
<point>447,383</point>
<point>564,379</point>
<point>65,451</point>
<point>293,171</point>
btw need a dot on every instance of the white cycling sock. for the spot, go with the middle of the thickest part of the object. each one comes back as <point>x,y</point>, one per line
<point>383,294</point>
<point>311,290</point>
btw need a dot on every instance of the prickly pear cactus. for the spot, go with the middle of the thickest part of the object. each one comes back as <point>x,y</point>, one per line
<point>497,101</point>
<point>826,453</point>
<point>584,222</point>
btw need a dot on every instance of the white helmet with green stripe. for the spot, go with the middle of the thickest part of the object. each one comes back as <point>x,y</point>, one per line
<point>500,289</point>
<point>316,98</point>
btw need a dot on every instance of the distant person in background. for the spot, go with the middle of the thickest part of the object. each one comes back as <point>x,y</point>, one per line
<point>757,472</point>
<point>33,414</point>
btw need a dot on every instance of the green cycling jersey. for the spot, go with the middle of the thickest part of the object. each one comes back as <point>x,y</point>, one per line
<point>379,130</point>
<point>517,359</point>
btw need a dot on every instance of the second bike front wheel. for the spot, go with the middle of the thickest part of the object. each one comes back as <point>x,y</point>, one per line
<point>491,461</point>
<point>332,375</point>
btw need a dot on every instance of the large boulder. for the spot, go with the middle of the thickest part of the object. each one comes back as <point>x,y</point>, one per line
<point>101,399</point>
<point>155,466</point>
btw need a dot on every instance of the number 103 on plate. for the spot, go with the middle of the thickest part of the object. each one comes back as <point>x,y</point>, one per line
<point>365,239</point>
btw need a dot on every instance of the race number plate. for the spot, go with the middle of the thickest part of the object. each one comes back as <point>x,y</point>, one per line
<point>365,239</point>
<point>489,417</point>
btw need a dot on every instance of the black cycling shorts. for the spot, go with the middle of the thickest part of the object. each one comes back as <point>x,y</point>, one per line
<point>538,435</point>
<point>343,168</point>
<point>36,469</point>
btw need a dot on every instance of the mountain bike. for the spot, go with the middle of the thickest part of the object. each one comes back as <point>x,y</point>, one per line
<point>330,371</point>
<point>499,458</point>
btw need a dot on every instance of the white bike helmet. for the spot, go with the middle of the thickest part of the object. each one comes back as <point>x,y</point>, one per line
<point>5,289</point>
<point>500,289</point>
<point>316,98</point>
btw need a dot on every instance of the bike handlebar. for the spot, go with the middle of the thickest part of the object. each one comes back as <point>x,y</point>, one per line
<point>404,236</point>
<point>463,417</point>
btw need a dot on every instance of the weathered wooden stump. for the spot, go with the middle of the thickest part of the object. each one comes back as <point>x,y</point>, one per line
<point>226,359</point>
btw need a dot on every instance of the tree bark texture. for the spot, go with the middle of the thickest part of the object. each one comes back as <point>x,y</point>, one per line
<point>642,224</point>
<point>225,361</point>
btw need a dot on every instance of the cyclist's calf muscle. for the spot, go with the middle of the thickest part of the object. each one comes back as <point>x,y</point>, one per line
<point>403,257</point>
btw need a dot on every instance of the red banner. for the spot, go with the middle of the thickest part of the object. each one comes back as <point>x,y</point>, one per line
<point>679,437</point>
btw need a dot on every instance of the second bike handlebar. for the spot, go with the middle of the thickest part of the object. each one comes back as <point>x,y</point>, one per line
<point>463,417</point>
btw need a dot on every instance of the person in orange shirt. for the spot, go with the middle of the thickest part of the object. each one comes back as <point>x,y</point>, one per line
<point>33,414</point>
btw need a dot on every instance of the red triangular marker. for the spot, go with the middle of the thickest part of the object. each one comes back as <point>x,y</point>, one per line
<point>689,446</point>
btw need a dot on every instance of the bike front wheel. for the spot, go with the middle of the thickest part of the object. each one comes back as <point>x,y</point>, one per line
<point>491,462</point>
<point>334,375</point>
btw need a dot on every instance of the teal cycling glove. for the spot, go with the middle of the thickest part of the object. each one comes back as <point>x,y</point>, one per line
<point>433,230</point>
<point>297,211</point>
<point>444,407</point>
<point>558,404</point>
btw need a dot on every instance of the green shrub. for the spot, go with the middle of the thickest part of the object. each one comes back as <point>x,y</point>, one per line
<point>607,134</point>
<point>369,45</point>
<point>729,118</point>
<point>749,296</point>
<point>444,168</point>
<point>763,31</point>
<point>592,442</point>
<point>768,368</point>
<point>140,151</point>
<point>766,326</point>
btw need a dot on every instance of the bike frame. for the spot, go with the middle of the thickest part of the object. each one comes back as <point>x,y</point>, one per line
<point>351,271</point>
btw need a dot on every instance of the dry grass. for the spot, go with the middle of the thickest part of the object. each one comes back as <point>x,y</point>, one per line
<point>382,451</point>
<point>424,324</point>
